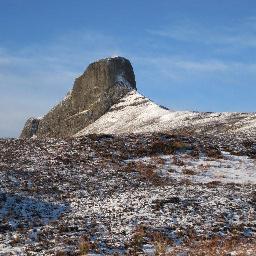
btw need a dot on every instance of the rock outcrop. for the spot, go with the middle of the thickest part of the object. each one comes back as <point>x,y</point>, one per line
<point>30,128</point>
<point>101,86</point>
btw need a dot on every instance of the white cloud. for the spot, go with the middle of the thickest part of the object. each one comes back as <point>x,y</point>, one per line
<point>174,63</point>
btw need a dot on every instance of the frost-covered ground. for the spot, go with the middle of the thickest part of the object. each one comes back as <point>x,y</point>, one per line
<point>129,194</point>
<point>136,113</point>
<point>230,168</point>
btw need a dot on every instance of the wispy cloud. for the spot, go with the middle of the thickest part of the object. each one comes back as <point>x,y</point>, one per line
<point>241,34</point>
<point>34,78</point>
<point>200,66</point>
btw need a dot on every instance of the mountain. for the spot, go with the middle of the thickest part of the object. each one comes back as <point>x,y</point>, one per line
<point>102,84</point>
<point>105,100</point>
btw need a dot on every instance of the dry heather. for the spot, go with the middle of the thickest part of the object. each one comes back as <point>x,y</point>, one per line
<point>147,194</point>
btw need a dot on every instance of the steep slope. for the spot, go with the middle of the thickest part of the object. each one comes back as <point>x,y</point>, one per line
<point>102,85</point>
<point>137,114</point>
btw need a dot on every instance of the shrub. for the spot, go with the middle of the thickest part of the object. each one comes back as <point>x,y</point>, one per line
<point>188,172</point>
<point>213,152</point>
<point>84,246</point>
<point>148,172</point>
<point>138,238</point>
<point>213,184</point>
<point>160,242</point>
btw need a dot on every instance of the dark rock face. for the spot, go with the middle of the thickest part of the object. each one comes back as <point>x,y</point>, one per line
<point>103,83</point>
<point>30,128</point>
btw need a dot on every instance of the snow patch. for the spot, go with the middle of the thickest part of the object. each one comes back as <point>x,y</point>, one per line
<point>121,80</point>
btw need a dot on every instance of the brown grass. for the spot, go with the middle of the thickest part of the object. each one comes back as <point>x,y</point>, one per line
<point>179,145</point>
<point>84,246</point>
<point>213,153</point>
<point>188,172</point>
<point>193,245</point>
<point>148,172</point>
<point>216,246</point>
<point>213,184</point>
<point>164,147</point>
<point>138,238</point>
<point>160,242</point>
<point>177,161</point>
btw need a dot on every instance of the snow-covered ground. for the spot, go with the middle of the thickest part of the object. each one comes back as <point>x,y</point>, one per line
<point>229,169</point>
<point>135,113</point>
<point>124,194</point>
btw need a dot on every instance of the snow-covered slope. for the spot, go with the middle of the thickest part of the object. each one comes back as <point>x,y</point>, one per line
<point>128,194</point>
<point>137,114</point>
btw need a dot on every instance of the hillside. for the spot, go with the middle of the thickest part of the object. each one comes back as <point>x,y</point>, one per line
<point>128,195</point>
<point>109,172</point>
<point>137,114</point>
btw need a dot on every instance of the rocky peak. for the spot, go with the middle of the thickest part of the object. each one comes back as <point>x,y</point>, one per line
<point>102,84</point>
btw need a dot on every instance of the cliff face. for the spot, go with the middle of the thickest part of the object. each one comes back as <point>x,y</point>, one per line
<point>100,87</point>
<point>30,128</point>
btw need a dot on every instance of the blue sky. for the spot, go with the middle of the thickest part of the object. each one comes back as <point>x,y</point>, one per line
<point>187,54</point>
